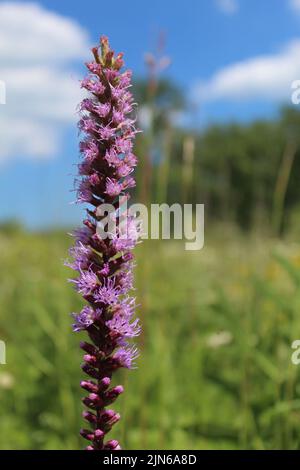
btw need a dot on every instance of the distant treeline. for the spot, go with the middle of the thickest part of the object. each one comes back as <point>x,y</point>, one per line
<point>243,173</point>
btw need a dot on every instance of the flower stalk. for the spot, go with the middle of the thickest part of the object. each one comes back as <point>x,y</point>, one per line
<point>104,264</point>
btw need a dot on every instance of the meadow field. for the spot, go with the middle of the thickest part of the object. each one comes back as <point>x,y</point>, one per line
<point>215,368</point>
<point>199,114</point>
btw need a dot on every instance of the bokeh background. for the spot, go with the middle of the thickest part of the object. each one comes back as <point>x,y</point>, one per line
<point>213,82</point>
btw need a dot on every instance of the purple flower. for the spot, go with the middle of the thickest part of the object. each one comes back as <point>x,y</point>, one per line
<point>127,235</point>
<point>84,192</point>
<point>125,278</point>
<point>82,235</point>
<point>125,357</point>
<point>80,254</point>
<point>84,319</point>
<point>107,132</point>
<point>108,293</point>
<point>89,149</point>
<point>105,266</point>
<point>122,328</point>
<point>86,282</point>
<point>95,87</point>
<point>113,187</point>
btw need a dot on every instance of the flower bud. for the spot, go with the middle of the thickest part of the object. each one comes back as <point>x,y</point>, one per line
<point>112,445</point>
<point>89,386</point>
<point>90,417</point>
<point>112,395</point>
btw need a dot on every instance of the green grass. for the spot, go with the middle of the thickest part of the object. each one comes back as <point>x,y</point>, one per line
<point>215,368</point>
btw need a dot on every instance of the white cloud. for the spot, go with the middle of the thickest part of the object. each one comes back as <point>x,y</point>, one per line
<point>229,7</point>
<point>267,77</point>
<point>37,49</point>
<point>295,5</point>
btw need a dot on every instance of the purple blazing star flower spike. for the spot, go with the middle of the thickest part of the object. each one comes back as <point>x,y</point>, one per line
<point>104,265</point>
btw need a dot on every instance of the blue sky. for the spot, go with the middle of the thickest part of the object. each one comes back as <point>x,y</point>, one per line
<point>234,58</point>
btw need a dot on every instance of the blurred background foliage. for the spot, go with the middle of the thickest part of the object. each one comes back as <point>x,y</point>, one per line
<point>215,367</point>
